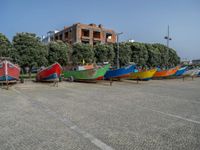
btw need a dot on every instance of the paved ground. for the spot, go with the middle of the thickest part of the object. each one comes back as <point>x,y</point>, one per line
<point>80,116</point>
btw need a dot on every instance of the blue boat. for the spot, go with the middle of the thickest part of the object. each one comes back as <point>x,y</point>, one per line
<point>181,71</point>
<point>119,73</point>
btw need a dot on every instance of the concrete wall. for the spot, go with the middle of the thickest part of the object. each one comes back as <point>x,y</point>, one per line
<point>75,34</point>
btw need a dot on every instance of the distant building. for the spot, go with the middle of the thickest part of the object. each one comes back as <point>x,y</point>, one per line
<point>131,40</point>
<point>82,33</point>
<point>185,62</point>
<point>196,62</point>
<point>49,37</point>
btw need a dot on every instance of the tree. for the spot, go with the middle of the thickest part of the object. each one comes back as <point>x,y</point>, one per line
<point>124,53</point>
<point>5,46</point>
<point>139,53</point>
<point>164,51</point>
<point>82,52</point>
<point>168,56</point>
<point>154,56</point>
<point>29,51</point>
<point>174,59</point>
<point>58,52</point>
<point>104,53</point>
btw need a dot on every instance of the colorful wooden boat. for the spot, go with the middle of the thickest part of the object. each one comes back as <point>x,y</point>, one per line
<point>165,73</point>
<point>192,72</point>
<point>51,73</point>
<point>9,72</point>
<point>180,71</point>
<point>143,75</point>
<point>88,74</point>
<point>119,73</point>
<point>85,67</point>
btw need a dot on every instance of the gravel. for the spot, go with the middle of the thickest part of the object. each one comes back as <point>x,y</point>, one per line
<point>159,114</point>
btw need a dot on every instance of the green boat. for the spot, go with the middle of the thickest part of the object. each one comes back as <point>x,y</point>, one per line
<point>89,74</point>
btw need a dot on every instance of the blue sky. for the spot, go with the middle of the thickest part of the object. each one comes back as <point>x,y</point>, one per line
<point>141,20</point>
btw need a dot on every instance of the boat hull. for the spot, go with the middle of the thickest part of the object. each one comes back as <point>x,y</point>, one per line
<point>165,73</point>
<point>119,73</point>
<point>88,74</point>
<point>192,72</point>
<point>143,75</point>
<point>51,73</point>
<point>180,71</point>
<point>9,71</point>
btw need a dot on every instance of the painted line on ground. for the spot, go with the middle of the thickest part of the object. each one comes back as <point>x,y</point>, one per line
<point>171,115</point>
<point>100,144</point>
<point>168,114</point>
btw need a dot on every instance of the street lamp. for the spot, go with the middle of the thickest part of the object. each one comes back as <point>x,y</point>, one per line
<point>118,34</point>
<point>167,37</point>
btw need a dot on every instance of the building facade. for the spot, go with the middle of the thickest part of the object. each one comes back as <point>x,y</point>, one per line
<point>196,62</point>
<point>49,37</point>
<point>88,34</point>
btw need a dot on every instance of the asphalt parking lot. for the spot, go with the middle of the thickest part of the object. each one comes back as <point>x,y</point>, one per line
<point>159,114</point>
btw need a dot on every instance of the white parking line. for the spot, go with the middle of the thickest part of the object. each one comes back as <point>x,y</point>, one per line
<point>171,115</point>
<point>67,122</point>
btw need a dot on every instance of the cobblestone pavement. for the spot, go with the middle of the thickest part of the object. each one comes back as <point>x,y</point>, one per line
<point>163,114</point>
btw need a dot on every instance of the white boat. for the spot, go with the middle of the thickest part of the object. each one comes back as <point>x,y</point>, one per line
<point>192,72</point>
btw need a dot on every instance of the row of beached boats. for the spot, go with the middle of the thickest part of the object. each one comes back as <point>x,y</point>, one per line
<point>10,72</point>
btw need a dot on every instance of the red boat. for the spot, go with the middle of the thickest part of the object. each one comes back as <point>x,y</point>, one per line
<point>51,73</point>
<point>9,71</point>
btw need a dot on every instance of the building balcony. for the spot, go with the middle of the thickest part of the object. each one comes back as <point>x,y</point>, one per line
<point>96,39</point>
<point>85,37</point>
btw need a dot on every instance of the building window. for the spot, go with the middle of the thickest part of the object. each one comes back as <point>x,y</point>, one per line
<point>96,34</point>
<point>56,37</point>
<point>66,35</point>
<point>85,32</point>
<point>108,36</point>
<point>60,37</point>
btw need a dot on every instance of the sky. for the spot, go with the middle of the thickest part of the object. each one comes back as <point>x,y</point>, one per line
<point>140,20</point>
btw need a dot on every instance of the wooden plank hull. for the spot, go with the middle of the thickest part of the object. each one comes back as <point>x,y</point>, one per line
<point>165,73</point>
<point>88,74</point>
<point>192,72</point>
<point>51,73</point>
<point>143,75</point>
<point>9,71</point>
<point>180,71</point>
<point>119,73</point>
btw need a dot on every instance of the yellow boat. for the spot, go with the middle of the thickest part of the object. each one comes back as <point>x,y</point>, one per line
<point>143,75</point>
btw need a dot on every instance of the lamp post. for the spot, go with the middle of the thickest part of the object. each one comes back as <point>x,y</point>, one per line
<point>118,48</point>
<point>167,37</point>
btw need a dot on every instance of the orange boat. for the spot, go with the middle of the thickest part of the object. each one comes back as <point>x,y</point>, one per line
<point>166,73</point>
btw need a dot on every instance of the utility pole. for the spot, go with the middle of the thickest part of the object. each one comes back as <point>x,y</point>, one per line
<point>168,37</point>
<point>118,48</point>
